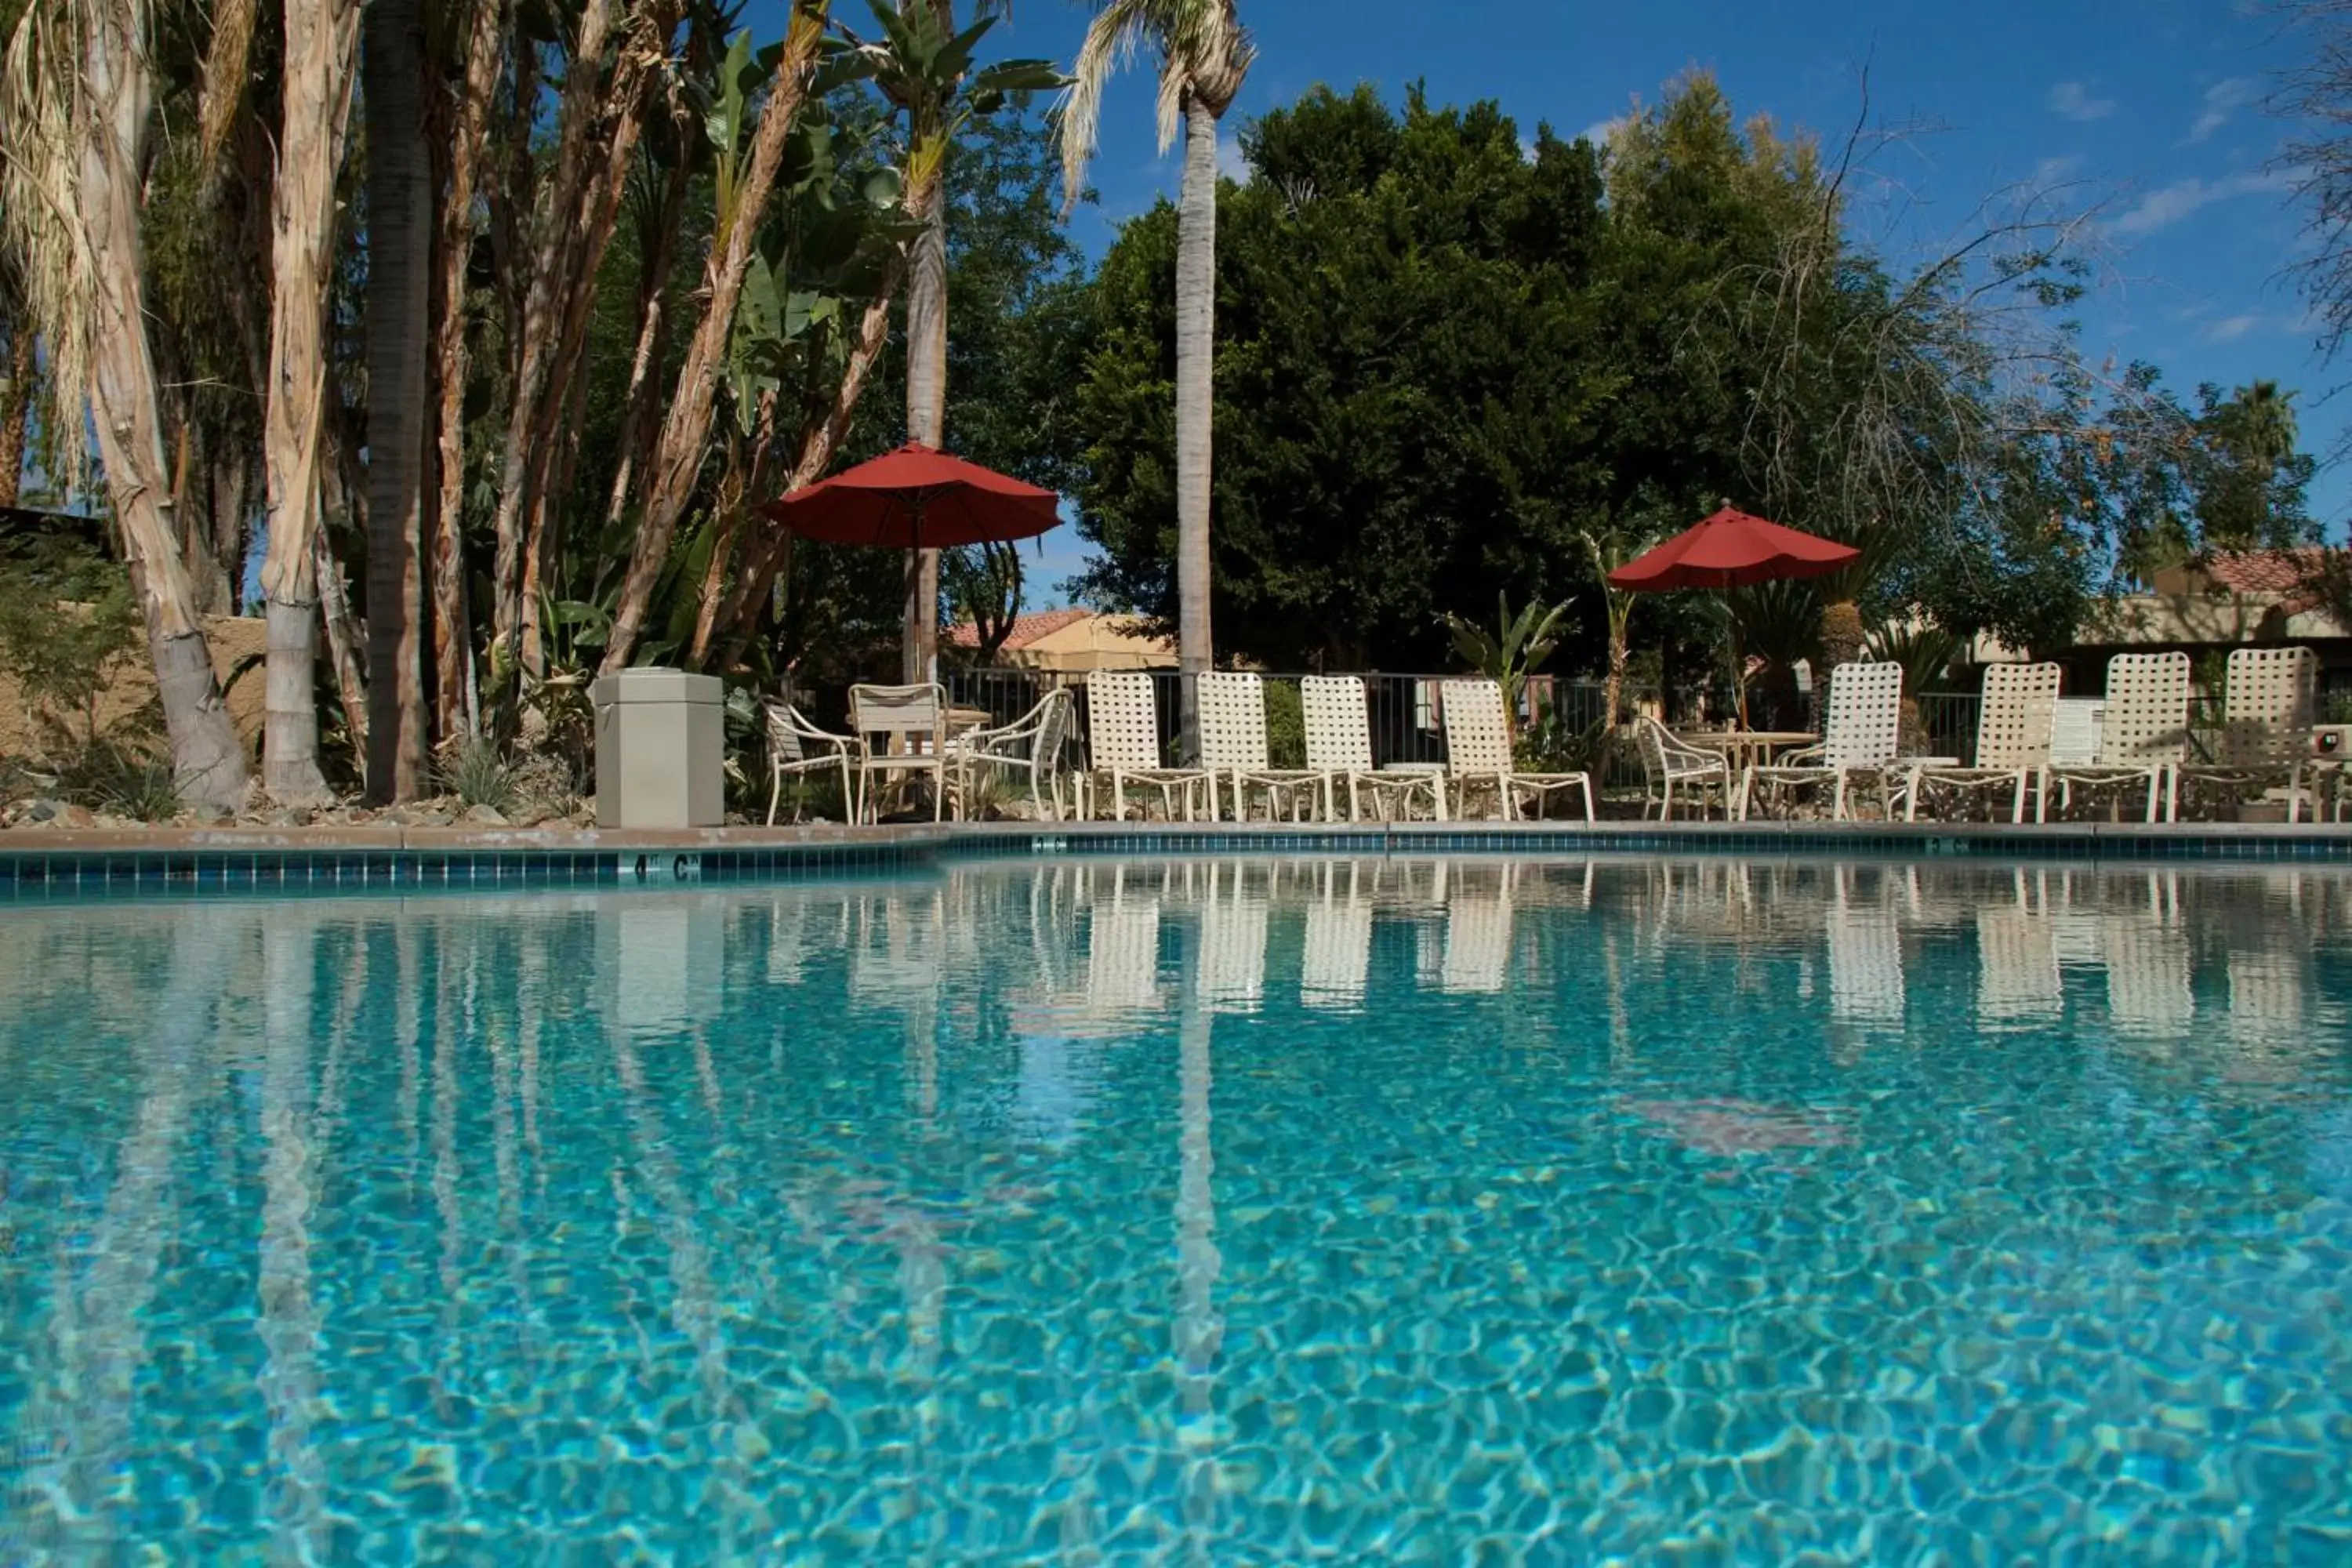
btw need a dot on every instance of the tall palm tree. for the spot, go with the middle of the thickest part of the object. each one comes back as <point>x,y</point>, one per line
<point>322,40</point>
<point>1204,56</point>
<point>399,240</point>
<point>923,67</point>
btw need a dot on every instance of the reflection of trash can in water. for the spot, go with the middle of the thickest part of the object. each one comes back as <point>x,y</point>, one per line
<point>660,750</point>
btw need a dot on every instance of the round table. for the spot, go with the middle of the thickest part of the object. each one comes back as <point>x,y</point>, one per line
<point>1740,747</point>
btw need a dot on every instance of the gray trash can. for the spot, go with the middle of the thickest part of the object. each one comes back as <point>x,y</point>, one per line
<point>661,749</point>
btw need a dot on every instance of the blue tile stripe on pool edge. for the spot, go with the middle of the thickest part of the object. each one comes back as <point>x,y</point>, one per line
<point>359,871</point>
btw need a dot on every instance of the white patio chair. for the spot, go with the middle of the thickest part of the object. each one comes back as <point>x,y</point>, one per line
<point>2143,735</point>
<point>1339,748</point>
<point>1033,744</point>
<point>1478,751</point>
<point>1859,740</point>
<point>1122,952</point>
<point>1667,761</point>
<point>2266,720</point>
<point>900,730</point>
<point>1123,733</point>
<point>797,748</point>
<point>1233,748</point>
<point>2019,712</point>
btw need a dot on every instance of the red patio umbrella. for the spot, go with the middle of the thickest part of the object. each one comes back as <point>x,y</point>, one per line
<point>917,498</point>
<point>1731,550</point>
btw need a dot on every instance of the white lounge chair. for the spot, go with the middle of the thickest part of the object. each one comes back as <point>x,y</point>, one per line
<point>1859,740</point>
<point>1234,747</point>
<point>1123,734</point>
<point>1339,749</point>
<point>2019,710</point>
<point>1669,761</point>
<point>1478,751</point>
<point>798,748</point>
<point>2266,718</point>
<point>1033,744</point>
<point>907,721</point>
<point>2143,735</point>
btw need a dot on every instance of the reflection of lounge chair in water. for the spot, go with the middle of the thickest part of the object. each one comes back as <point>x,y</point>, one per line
<point>2148,961</point>
<point>2017,961</point>
<point>1865,951</point>
<point>1477,930</point>
<point>1122,951</point>
<point>1338,953</point>
<point>1233,941</point>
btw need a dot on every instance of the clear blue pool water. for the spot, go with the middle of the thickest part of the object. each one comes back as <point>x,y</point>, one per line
<point>1714,1211</point>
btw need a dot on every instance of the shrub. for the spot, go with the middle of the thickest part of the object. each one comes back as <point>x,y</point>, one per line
<point>122,780</point>
<point>477,775</point>
<point>1285,725</point>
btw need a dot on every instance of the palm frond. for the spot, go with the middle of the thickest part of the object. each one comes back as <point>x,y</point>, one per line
<point>44,107</point>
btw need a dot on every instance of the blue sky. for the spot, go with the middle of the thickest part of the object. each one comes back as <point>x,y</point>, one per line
<point>2148,110</point>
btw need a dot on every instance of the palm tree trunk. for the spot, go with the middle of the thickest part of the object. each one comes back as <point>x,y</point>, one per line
<point>1841,635</point>
<point>399,235</point>
<point>321,36</point>
<point>1196,308</point>
<point>15,409</point>
<point>926,399</point>
<point>454,694</point>
<point>679,454</point>
<point>208,761</point>
<point>740,617</point>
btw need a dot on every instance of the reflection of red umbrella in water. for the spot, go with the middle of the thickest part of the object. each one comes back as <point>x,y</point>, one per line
<point>917,498</point>
<point>1732,550</point>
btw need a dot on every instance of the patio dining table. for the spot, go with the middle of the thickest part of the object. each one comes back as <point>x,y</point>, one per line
<point>1740,747</point>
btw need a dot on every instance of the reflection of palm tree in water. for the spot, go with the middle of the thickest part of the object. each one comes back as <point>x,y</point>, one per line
<point>732,1506</point>
<point>85,1398</point>
<point>1200,1330</point>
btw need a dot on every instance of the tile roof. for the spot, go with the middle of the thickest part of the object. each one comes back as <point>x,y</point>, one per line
<point>1026,630</point>
<point>2263,571</point>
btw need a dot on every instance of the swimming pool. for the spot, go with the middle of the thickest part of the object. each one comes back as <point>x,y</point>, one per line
<point>1234,1211</point>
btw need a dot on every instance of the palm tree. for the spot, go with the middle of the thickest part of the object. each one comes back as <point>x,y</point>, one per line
<point>322,39</point>
<point>1203,55</point>
<point>399,242</point>
<point>923,66</point>
<point>76,101</point>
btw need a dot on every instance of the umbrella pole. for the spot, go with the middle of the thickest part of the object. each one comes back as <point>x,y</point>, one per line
<point>917,662</point>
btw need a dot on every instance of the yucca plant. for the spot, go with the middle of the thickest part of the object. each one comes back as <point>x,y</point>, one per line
<point>478,774</point>
<point>1514,650</point>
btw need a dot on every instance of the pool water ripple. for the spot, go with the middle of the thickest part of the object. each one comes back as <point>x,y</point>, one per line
<point>1204,1210</point>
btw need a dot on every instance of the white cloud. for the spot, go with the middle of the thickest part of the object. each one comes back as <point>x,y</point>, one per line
<point>2055,171</point>
<point>2167,205</point>
<point>2222,100</point>
<point>2072,100</point>
<point>2229,329</point>
<point>1598,131</point>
